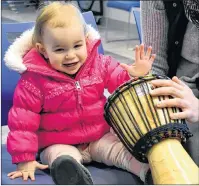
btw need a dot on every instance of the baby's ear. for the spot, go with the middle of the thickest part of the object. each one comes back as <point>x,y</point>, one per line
<point>41,49</point>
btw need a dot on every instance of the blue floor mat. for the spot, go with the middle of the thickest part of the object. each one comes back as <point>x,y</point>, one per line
<point>101,174</point>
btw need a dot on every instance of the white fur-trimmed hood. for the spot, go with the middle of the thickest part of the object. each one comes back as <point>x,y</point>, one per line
<point>14,55</point>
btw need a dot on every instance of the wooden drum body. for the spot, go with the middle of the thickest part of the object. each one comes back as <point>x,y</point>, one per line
<point>149,133</point>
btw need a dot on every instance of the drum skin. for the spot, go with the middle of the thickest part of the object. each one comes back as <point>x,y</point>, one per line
<point>149,133</point>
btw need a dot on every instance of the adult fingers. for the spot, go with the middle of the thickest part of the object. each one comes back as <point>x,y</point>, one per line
<point>175,79</point>
<point>176,102</point>
<point>166,83</point>
<point>180,115</point>
<point>166,91</point>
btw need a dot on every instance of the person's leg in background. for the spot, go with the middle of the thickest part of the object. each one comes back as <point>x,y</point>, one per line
<point>65,165</point>
<point>110,151</point>
<point>192,145</point>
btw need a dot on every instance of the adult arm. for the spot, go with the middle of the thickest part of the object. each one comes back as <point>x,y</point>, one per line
<point>155,26</point>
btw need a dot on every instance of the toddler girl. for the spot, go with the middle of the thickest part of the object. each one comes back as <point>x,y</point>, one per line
<point>59,102</point>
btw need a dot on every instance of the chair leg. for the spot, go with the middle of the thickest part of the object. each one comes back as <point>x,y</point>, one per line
<point>129,23</point>
<point>106,30</point>
<point>128,31</point>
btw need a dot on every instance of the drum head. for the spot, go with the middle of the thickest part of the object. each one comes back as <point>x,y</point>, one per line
<point>139,124</point>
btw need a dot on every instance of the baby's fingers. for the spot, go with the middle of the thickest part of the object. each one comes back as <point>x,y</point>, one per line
<point>32,176</point>
<point>17,174</point>
<point>148,52</point>
<point>142,51</point>
<point>41,166</point>
<point>25,175</point>
<point>152,58</point>
<point>11,173</point>
<point>137,53</point>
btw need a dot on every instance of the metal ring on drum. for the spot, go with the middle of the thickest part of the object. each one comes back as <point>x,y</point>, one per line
<point>149,133</point>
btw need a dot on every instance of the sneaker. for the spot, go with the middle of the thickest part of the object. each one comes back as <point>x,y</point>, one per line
<point>65,170</point>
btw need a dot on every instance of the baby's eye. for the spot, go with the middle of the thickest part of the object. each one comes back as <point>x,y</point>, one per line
<point>59,50</point>
<point>78,46</point>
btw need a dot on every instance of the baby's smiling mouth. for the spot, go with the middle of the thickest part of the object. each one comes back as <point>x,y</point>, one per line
<point>70,64</point>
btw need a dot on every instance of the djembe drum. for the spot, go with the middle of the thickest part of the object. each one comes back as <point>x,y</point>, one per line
<point>148,132</point>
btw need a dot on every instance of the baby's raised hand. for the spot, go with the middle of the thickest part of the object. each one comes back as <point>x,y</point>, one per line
<point>26,169</point>
<point>143,62</point>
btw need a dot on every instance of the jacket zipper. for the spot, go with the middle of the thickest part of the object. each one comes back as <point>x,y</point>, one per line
<point>77,84</point>
<point>79,100</point>
<point>79,89</point>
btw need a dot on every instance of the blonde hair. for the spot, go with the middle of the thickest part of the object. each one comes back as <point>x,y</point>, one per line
<point>51,13</point>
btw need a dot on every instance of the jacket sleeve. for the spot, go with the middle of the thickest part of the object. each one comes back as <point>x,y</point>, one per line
<point>155,26</point>
<point>115,75</point>
<point>23,121</point>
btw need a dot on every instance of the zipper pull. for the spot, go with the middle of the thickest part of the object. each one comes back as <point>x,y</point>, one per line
<point>77,85</point>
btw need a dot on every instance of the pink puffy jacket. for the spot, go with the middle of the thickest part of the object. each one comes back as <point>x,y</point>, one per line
<point>52,108</point>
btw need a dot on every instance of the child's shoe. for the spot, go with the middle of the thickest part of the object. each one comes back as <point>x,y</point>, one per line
<point>65,170</point>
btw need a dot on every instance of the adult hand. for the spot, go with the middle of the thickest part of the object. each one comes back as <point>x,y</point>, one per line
<point>26,169</point>
<point>143,62</point>
<point>183,98</point>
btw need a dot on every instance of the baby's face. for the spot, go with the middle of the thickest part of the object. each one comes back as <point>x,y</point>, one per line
<point>65,47</point>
